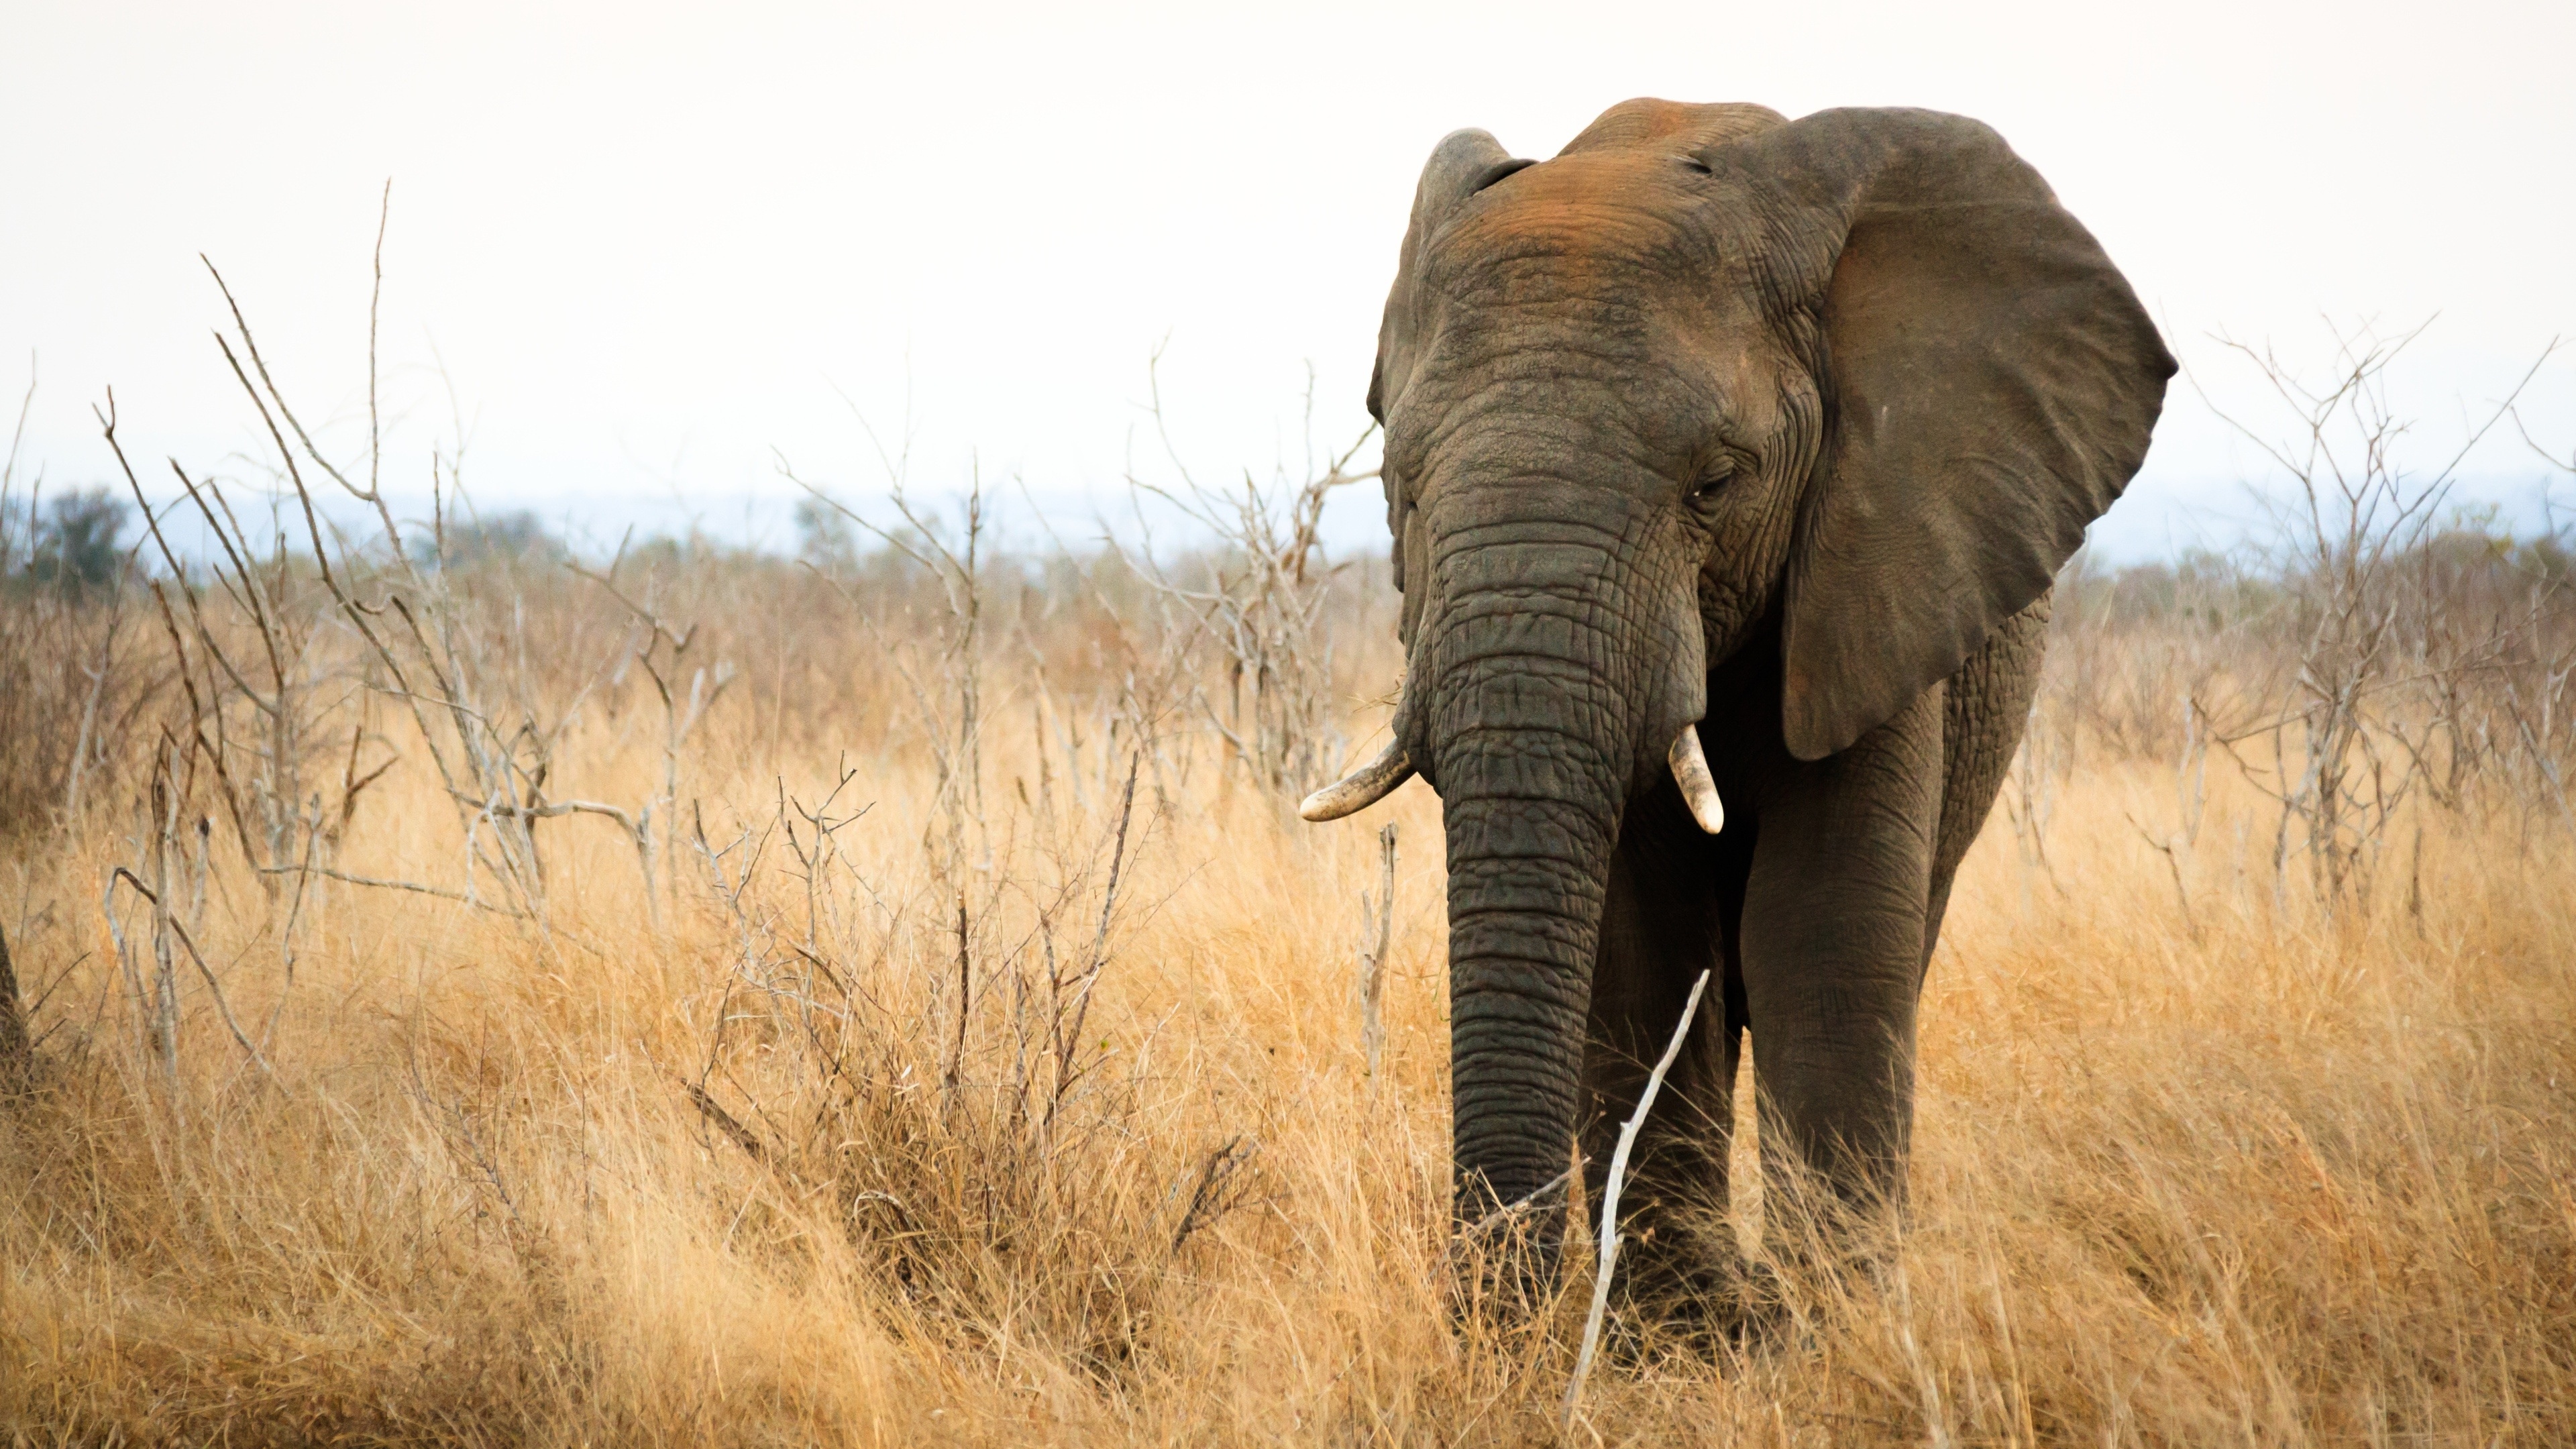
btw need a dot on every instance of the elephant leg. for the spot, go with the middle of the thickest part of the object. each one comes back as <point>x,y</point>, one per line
<point>1985,708</point>
<point>1669,914</point>
<point>1832,949</point>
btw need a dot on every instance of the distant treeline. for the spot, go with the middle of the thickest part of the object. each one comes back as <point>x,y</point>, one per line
<point>84,539</point>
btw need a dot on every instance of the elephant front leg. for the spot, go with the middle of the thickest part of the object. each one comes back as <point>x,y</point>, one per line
<point>1832,950</point>
<point>1669,915</point>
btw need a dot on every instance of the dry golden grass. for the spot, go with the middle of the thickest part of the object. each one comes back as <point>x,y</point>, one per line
<point>2230,1178</point>
<point>809,1133</point>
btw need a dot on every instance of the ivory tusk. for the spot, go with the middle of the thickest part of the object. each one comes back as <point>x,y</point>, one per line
<point>1363,787</point>
<point>1690,771</point>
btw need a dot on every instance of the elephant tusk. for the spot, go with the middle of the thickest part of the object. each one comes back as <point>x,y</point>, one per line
<point>1363,787</point>
<point>1699,791</point>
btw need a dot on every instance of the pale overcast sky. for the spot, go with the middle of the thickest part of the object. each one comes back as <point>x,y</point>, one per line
<point>650,244</point>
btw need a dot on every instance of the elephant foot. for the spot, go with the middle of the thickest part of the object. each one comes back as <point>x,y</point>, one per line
<point>1508,1267</point>
<point>1703,1303</point>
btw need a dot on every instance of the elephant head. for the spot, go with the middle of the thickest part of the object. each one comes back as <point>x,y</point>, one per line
<point>1857,378</point>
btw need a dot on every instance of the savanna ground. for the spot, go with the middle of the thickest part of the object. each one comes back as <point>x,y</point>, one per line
<point>470,995</point>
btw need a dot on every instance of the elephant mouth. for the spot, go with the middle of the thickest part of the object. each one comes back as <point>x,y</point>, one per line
<point>1382,776</point>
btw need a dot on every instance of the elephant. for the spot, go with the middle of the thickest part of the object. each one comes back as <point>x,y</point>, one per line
<point>1729,463</point>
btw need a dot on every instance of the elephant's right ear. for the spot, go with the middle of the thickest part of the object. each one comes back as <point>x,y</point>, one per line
<point>1464,163</point>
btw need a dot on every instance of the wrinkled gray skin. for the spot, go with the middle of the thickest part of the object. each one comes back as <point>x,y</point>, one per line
<point>1779,426</point>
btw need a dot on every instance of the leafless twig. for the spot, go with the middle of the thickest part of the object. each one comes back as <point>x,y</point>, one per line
<point>1608,1237</point>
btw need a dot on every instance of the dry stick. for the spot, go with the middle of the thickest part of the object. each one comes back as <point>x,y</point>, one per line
<point>2173,848</point>
<point>205,636</point>
<point>1208,1199</point>
<point>14,1051</point>
<point>1536,1198</point>
<point>357,613</point>
<point>2548,767</point>
<point>97,687</point>
<point>214,986</point>
<point>965,984</point>
<point>961,779</point>
<point>1373,961</point>
<point>283,722</point>
<point>677,726</point>
<point>286,938</point>
<point>1262,615</point>
<point>367,880</point>
<point>124,957</point>
<point>164,806</point>
<point>1068,1044</point>
<point>1609,1236</point>
<point>722,1120</point>
<point>247,594</point>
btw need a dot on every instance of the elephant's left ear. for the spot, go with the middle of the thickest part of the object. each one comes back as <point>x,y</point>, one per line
<point>1992,382</point>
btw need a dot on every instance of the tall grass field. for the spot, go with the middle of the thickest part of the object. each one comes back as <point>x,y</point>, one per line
<point>461,993</point>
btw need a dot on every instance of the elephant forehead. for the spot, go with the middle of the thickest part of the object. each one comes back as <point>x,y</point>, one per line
<point>1673,125</point>
<point>1631,260</point>
<point>1621,218</point>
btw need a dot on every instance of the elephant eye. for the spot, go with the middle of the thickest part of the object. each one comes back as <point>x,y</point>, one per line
<point>1712,478</point>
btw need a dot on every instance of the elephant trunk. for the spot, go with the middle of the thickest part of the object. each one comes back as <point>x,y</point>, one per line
<point>1529,850</point>
<point>1554,677</point>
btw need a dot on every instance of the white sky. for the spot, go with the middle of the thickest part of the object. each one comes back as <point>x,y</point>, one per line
<point>652,243</point>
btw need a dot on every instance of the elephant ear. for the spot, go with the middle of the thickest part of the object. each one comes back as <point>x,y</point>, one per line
<point>1464,163</point>
<point>1992,381</point>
